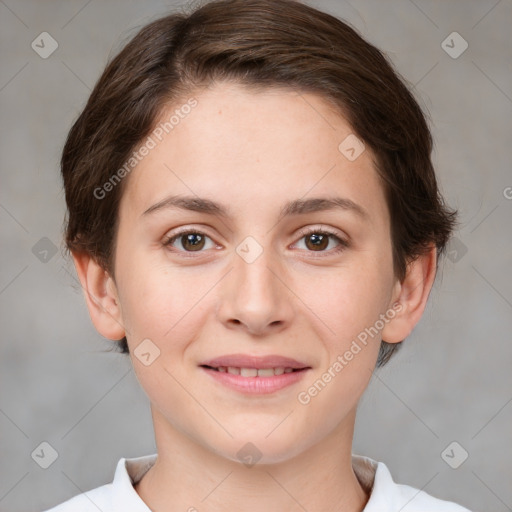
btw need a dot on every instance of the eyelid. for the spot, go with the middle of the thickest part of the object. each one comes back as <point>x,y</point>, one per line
<point>321,228</point>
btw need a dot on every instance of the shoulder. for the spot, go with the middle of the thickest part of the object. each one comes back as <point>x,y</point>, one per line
<point>386,495</point>
<point>90,501</point>
<point>118,495</point>
<point>414,500</point>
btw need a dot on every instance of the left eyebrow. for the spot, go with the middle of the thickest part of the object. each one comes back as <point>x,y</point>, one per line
<point>295,207</point>
<point>318,204</point>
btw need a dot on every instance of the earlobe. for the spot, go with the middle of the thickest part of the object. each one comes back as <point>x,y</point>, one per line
<point>101,296</point>
<point>412,294</point>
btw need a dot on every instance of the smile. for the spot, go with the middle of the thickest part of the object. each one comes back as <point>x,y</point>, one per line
<point>255,381</point>
<point>254,372</point>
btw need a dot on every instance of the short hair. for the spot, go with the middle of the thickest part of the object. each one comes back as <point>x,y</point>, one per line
<point>259,44</point>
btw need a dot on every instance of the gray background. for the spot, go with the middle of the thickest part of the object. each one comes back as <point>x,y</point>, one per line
<point>452,380</point>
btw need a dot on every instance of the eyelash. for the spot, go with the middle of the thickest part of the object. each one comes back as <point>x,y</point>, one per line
<point>343,244</point>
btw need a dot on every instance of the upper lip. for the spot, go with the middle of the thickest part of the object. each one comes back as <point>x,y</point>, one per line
<point>247,361</point>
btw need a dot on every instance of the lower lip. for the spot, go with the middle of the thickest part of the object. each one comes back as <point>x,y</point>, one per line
<point>256,385</point>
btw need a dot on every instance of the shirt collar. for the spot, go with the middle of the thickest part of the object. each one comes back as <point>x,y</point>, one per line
<point>376,480</point>
<point>129,472</point>
<point>374,477</point>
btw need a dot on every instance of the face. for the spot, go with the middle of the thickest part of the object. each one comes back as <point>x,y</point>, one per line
<point>248,268</point>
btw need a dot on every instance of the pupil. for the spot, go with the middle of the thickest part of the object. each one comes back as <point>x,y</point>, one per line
<point>318,240</point>
<point>195,240</point>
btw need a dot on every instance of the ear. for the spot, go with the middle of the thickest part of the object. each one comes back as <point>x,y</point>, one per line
<point>101,296</point>
<point>410,296</point>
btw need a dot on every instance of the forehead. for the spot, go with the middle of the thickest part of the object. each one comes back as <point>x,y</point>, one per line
<point>240,146</point>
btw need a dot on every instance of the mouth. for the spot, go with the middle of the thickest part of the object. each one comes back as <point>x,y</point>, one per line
<point>255,374</point>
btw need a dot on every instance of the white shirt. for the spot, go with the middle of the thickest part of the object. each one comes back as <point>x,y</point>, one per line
<point>386,496</point>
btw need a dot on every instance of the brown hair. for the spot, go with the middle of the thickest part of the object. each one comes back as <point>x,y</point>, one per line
<point>256,43</point>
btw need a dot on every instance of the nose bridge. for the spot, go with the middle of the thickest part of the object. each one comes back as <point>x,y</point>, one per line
<point>254,296</point>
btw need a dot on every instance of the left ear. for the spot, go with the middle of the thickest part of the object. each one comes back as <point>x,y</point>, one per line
<point>411,294</point>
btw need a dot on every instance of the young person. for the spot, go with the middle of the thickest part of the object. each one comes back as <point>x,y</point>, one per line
<point>254,215</point>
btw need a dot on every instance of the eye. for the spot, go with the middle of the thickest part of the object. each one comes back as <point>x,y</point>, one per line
<point>190,241</point>
<point>318,240</point>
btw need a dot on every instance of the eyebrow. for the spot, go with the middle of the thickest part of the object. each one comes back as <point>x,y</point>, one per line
<point>295,207</point>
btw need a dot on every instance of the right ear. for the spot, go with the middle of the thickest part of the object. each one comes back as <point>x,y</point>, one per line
<point>100,295</point>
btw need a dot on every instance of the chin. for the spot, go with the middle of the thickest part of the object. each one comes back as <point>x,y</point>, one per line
<point>256,449</point>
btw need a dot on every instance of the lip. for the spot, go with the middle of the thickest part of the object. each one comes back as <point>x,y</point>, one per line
<point>247,361</point>
<point>255,385</point>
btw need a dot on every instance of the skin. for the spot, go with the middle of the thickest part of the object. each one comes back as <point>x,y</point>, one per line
<point>253,152</point>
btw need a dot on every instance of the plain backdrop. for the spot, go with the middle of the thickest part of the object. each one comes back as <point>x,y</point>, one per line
<point>450,383</point>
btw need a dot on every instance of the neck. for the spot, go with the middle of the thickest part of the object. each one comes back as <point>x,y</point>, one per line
<point>187,476</point>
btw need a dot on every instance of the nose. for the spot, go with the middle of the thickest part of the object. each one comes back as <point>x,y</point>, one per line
<point>255,297</point>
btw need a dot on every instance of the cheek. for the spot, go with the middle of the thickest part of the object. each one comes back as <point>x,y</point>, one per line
<point>348,299</point>
<point>168,308</point>
<point>347,306</point>
<point>167,305</point>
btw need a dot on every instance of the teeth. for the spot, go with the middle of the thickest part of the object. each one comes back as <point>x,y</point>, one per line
<point>265,372</point>
<point>249,372</point>
<point>254,372</point>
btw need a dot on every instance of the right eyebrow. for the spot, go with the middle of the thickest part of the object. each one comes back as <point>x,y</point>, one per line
<point>192,203</point>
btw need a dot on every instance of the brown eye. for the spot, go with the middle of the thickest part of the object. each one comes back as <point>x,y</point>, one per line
<point>317,241</point>
<point>190,241</point>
